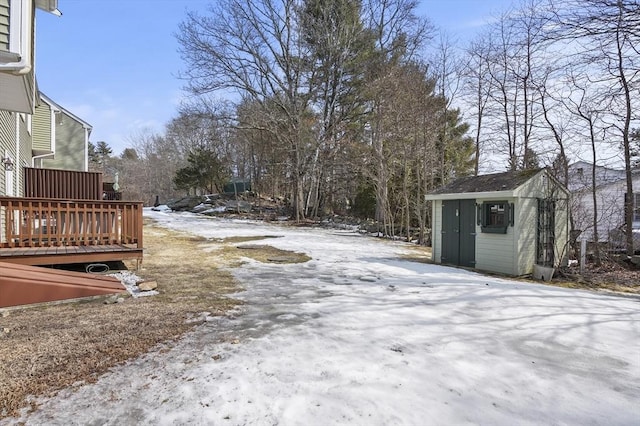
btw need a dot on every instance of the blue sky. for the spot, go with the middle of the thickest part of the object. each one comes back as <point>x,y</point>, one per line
<point>114,63</point>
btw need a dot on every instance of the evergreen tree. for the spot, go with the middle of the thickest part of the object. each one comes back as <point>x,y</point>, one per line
<point>459,147</point>
<point>205,172</point>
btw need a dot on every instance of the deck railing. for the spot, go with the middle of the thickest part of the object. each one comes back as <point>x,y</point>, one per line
<point>37,222</point>
<point>62,184</point>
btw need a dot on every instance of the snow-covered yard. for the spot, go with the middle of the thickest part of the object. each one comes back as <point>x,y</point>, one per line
<point>360,336</point>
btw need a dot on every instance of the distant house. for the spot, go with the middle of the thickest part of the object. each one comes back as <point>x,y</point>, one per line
<point>581,172</point>
<point>611,187</point>
<point>66,134</point>
<point>502,222</point>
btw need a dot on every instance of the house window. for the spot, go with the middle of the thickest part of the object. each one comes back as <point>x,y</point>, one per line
<point>495,216</point>
<point>636,207</point>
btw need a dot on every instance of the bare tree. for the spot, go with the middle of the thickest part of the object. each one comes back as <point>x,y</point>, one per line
<point>398,35</point>
<point>150,172</point>
<point>255,48</point>
<point>478,88</point>
<point>584,106</point>
<point>605,35</point>
<point>512,56</point>
<point>340,47</point>
<point>445,67</point>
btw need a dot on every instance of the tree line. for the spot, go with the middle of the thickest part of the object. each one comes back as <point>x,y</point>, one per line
<point>361,107</point>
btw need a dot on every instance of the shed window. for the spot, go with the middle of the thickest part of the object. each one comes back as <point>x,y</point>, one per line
<point>495,216</point>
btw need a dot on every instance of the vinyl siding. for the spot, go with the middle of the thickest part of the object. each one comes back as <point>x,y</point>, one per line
<point>436,231</point>
<point>7,142</point>
<point>42,128</point>
<point>4,25</point>
<point>526,226</point>
<point>70,145</point>
<point>496,252</point>
<point>24,155</point>
<point>8,145</point>
<point>610,199</point>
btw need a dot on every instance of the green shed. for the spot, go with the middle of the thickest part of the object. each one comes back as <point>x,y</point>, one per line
<point>502,222</point>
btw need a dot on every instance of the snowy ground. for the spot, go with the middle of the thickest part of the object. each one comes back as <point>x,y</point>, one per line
<point>359,336</point>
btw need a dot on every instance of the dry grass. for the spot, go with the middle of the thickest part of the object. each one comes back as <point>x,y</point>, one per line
<point>47,348</point>
<point>235,240</point>
<point>265,253</point>
<point>421,254</point>
<point>610,276</point>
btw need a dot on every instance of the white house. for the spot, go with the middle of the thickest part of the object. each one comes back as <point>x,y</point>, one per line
<point>502,222</point>
<point>610,190</point>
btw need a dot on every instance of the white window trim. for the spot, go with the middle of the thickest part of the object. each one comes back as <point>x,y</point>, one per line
<point>20,36</point>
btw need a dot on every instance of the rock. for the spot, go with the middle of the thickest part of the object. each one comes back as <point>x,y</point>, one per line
<point>202,207</point>
<point>120,300</point>
<point>148,285</point>
<point>186,203</point>
<point>111,300</point>
<point>4,314</point>
<point>238,206</point>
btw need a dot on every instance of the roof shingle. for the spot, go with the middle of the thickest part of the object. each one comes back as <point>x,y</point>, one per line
<point>505,181</point>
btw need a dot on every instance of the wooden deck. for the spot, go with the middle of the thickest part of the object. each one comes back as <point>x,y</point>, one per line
<point>48,232</point>
<point>70,254</point>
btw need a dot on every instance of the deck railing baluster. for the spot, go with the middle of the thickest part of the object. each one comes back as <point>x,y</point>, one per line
<point>33,222</point>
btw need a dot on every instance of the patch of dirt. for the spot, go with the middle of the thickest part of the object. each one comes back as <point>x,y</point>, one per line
<point>266,254</point>
<point>50,347</point>
<point>235,240</point>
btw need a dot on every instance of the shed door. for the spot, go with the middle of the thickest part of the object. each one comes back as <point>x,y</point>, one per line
<point>459,233</point>
<point>467,233</point>
<point>450,232</point>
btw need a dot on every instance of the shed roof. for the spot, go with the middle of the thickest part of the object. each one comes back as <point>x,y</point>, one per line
<point>495,182</point>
